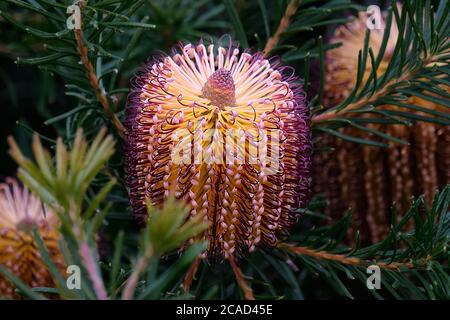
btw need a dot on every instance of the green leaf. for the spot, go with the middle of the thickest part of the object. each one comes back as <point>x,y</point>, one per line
<point>352,138</point>
<point>56,275</point>
<point>22,287</point>
<point>129,25</point>
<point>239,29</point>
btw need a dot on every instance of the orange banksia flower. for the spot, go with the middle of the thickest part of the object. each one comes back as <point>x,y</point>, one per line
<point>341,64</point>
<point>226,131</point>
<point>20,213</point>
<point>369,179</point>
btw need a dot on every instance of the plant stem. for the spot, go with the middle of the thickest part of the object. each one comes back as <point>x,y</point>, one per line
<point>139,268</point>
<point>248,292</point>
<point>90,265</point>
<point>191,274</point>
<point>291,9</point>
<point>384,91</point>
<point>343,259</point>
<point>93,80</point>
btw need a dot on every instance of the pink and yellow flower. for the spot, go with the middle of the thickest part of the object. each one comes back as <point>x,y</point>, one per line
<point>242,121</point>
<point>20,213</point>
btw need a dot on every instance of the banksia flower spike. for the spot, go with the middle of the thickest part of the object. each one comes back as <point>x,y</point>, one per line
<point>227,132</point>
<point>20,213</point>
<point>369,179</point>
<point>342,63</point>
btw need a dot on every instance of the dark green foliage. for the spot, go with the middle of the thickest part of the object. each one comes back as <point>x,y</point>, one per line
<point>119,37</point>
